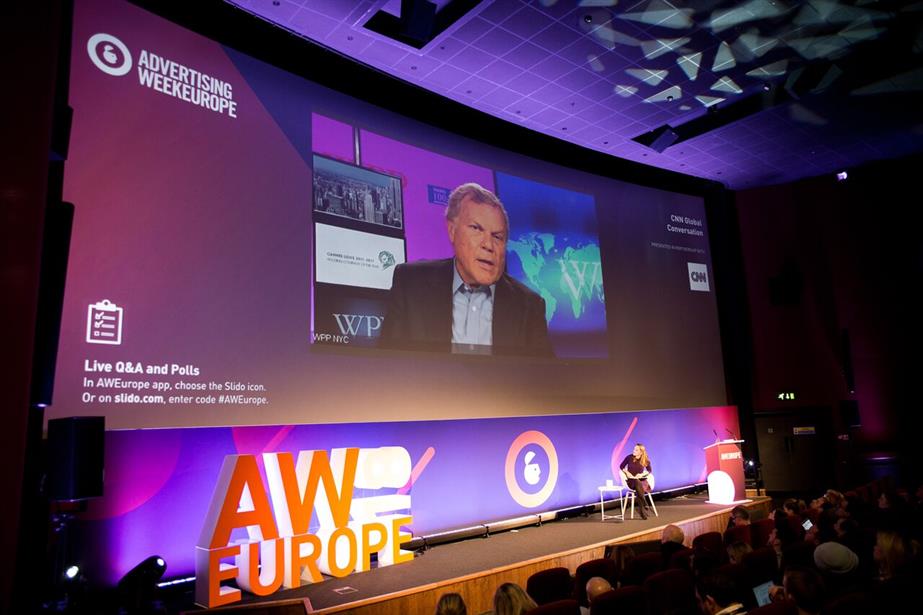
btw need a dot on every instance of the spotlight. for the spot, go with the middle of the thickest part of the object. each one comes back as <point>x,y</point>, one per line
<point>588,18</point>
<point>139,584</point>
<point>750,463</point>
<point>841,176</point>
<point>766,87</point>
<point>71,573</point>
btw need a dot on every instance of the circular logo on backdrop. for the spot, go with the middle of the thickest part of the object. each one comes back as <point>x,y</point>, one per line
<point>524,461</point>
<point>109,54</point>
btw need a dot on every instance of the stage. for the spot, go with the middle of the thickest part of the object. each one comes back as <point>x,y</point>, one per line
<point>476,567</point>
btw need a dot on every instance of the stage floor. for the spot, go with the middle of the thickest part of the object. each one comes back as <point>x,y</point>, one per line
<point>450,564</point>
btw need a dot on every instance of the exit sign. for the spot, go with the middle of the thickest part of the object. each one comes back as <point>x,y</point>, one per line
<point>786,395</point>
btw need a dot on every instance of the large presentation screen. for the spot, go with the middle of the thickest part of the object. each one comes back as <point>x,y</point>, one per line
<point>252,248</point>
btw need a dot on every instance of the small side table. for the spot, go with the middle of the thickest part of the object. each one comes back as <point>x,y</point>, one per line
<point>603,490</point>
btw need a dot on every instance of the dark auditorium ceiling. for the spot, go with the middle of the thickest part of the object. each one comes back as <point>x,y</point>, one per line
<point>746,93</point>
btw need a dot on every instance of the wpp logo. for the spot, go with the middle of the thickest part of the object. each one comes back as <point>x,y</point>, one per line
<point>698,276</point>
<point>109,54</point>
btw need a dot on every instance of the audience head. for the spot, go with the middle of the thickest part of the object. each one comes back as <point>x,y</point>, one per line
<point>510,599</point>
<point>893,553</point>
<point>596,587</point>
<point>835,559</point>
<point>715,591</point>
<point>793,507</point>
<point>834,497</point>
<point>621,555</point>
<point>740,515</point>
<point>736,551</point>
<point>672,533</point>
<point>805,587</point>
<point>451,604</point>
<point>845,527</point>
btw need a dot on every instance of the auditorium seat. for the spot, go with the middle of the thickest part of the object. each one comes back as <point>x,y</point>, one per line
<point>550,585</point>
<point>795,522</point>
<point>783,607</point>
<point>641,567</point>
<point>738,575</point>
<point>800,553</point>
<point>738,533</point>
<point>759,532</point>
<point>605,568</point>
<point>670,591</point>
<point>681,559</point>
<point>859,603</point>
<point>761,565</point>
<point>621,601</point>
<point>559,607</point>
<point>711,542</point>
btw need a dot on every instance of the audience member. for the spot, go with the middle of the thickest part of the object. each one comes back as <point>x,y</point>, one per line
<point>805,588</point>
<point>671,541</point>
<point>595,587</point>
<point>510,599</point>
<point>736,551</point>
<point>839,567</point>
<point>717,594</point>
<point>451,604</point>
<point>739,516</point>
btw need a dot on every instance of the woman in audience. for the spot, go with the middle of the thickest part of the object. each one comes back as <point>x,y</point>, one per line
<point>451,604</point>
<point>510,599</point>
<point>894,554</point>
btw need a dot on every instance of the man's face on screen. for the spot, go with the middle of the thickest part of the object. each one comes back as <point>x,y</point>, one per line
<point>479,236</point>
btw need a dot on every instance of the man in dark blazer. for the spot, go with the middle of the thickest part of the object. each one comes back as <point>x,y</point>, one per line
<point>428,306</point>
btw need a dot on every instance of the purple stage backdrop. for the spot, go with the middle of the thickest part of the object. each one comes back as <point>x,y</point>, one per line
<point>159,482</point>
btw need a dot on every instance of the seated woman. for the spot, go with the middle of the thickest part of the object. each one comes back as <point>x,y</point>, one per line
<point>635,469</point>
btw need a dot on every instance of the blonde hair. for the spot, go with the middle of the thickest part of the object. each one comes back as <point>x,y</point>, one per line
<point>643,459</point>
<point>896,552</point>
<point>510,599</point>
<point>451,604</point>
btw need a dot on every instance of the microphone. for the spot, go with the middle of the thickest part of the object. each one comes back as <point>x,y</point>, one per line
<point>731,433</point>
<point>717,439</point>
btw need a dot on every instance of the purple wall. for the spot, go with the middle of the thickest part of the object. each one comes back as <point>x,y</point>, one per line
<point>159,482</point>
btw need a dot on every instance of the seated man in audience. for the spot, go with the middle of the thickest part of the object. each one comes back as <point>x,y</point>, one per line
<point>595,587</point>
<point>717,594</point>
<point>739,516</point>
<point>671,541</point>
<point>736,551</point>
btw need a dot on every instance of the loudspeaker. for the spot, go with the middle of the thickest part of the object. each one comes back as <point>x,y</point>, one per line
<point>849,413</point>
<point>75,458</point>
<point>846,355</point>
<point>59,218</point>
<point>664,137</point>
<point>417,19</point>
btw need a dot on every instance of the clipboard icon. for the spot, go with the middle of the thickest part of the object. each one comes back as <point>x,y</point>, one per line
<point>104,323</point>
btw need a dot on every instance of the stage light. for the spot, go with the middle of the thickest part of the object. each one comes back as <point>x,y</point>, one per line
<point>72,572</point>
<point>750,463</point>
<point>842,176</point>
<point>139,584</point>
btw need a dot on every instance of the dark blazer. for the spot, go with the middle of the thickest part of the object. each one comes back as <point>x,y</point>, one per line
<point>419,313</point>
